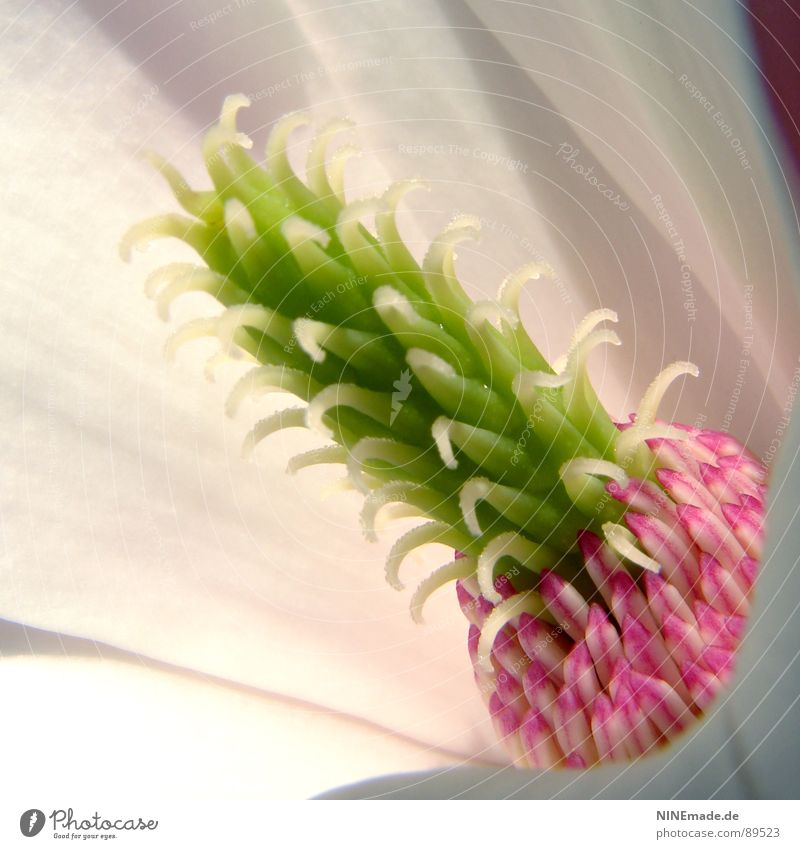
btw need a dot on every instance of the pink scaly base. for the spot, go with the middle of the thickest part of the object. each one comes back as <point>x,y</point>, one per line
<point>615,675</point>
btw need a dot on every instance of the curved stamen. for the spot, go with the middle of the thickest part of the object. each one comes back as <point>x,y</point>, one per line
<point>164,275</point>
<point>510,289</point>
<point>376,405</point>
<point>397,254</point>
<point>215,362</point>
<point>428,534</point>
<point>391,494</point>
<point>203,204</point>
<point>624,543</point>
<point>335,168</point>
<point>293,417</point>
<point>379,448</point>
<point>456,570</point>
<point>240,226</point>
<point>441,436</point>
<point>277,159</point>
<point>301,233</point>
<point>378,498</point>
<point>579,478</point>
<point>526,383</point>
<point>493,312</point>
<point>170,282</point>
<point>198,328</point>
<point>587,325</point>
<point>327,455</point>
<point>528,512</point>
<point>262,319</point>
<point>473,491</point>
<point>508,610</point>
<point>511,544</point>
<point>316,173</point>
<point>196,234</point>
<point>225,132</point>
<point>630,448</point>
<point>365,255</point>
<point>581,467</point>
<point>311,336</point>
<point>439,268</point>
<point>424,361</point>
<point>270,379</point>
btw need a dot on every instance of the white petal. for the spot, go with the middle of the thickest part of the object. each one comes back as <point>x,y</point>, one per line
<point>127,514</point>
<point>210,740</point>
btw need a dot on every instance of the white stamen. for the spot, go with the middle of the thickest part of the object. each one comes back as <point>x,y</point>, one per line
<point>297,231</point>
<point>256,317</point>
<point>239,224</point>
<point>216,361</point>
<point>578,355</point>
<point>195,329</point>
<point>367,257</point>
<point>335,169</point>
<point>376,405</point>
<point>225,132</point>
<point>171,225</point>
<point>510,544</point>
<point>456,570</point>
<point>377,448</point>
<point>276,156</point>
<point>195,280</point>
<point>268,379</point>
<point>505,612</point>
<point>525,383</point>
<point>582,331</point>
<point>576,469</point>
<point>387,299</point>
<point>427,534</point>
<point>630,449</point>
<point>315,164</point>
<point>293,417</point>
<point>510,289</point>
<point>328,454</point>
<point>588,324</point>
<point>421,360</point>
<point>441,436</point>
<point>492,312</point>
<point>624,543</point>
<point>399,189</point>
<point>473,491</point>
<point>440,258</point>
<point>384,496</point>
<point>311,335</point>
<point>386,225</point>
<point>166,274</point>
<point>648,408</point>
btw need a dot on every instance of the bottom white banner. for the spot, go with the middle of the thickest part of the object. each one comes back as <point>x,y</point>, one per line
<point>388,824</point>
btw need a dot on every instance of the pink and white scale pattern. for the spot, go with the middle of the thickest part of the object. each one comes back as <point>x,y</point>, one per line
<point>631,666</point>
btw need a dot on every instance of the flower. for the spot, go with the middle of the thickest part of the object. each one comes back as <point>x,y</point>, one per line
<point>91,371</point>
<point>280,250</point>
<point>582,683</point>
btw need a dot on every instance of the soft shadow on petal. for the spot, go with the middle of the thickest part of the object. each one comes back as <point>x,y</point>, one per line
<point>101,723</point>
<point>129,516</point>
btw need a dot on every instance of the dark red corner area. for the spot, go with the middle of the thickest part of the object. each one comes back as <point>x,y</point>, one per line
<point>775,26</point>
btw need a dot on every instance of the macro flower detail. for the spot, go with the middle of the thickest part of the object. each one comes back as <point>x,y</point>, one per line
<point>612,671</point>
<point>605,569</point>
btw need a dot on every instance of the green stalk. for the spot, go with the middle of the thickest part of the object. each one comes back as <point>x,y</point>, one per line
<point>444,404</point>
